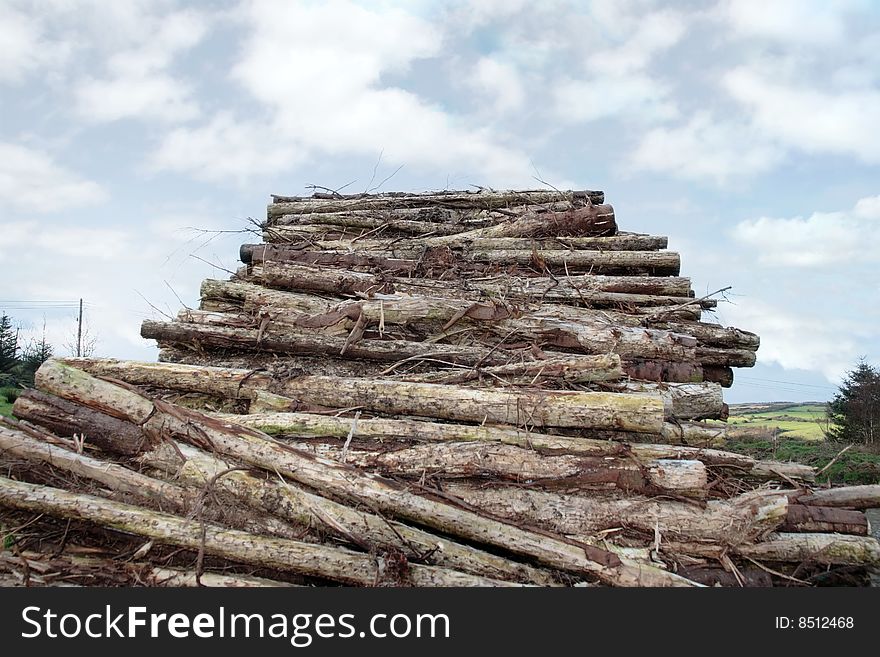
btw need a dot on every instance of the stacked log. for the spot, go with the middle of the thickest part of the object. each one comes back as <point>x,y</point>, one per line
<point>454,389</point>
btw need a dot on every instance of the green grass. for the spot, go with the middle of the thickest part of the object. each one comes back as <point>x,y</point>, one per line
<point>793,421</point>
<point>5,403</point>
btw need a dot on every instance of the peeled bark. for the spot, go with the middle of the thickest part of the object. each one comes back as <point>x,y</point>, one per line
<point>803,518</point>
<point>254,448</point>
<point>309,559</point>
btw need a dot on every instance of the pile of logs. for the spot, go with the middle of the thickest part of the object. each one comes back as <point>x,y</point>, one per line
<point>467,389</point>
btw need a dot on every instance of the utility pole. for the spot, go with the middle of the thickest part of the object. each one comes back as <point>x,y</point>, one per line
<point>79,330</point>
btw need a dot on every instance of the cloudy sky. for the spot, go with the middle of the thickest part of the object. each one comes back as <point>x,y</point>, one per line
<point>746,130</point>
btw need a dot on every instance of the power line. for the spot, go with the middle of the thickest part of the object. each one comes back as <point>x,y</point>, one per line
<point>788,383</point>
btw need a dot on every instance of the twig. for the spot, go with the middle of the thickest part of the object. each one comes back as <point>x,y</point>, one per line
<point>662,314</point>
<point>831,462</point>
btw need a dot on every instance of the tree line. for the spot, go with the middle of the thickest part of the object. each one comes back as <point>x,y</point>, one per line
<point>19,362</point>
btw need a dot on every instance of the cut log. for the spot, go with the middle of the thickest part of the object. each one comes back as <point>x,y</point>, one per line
<point>345,482</point>
<point>95,428</point>
<point>803,518</point>
<point>811,548</point>
<point>739,520</point>
<point>848,497</point>
<point>683,401</point>
<point>283,498</point>
<point>286,555</point>
<point>415,246</point>
<point>484,200</point>
<point>456,460</point>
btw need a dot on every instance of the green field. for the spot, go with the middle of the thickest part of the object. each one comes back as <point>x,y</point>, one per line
<point>5,404</point>
<point>805,421</point>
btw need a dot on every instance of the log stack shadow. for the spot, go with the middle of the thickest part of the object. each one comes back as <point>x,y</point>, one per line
<point>459,388</point>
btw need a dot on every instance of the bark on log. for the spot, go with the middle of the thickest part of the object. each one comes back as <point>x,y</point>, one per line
<point>731,522</point>
<point>847,497</point>
<point>457,460</point>
<point>682,401</point>
<point>283,498</point>
<point>65,569</point>
<point>483,199</point>
<point>159,494</point>
<point>415,246</point>
<point>308,559</point>
<point>829,549</point>
<point>625,263</point>
<point>803,518</point>
<point>309,425</point>
<point>341,334</point>
<point>572,290</point>
<point>254,298</point>
<point>629,412</point>
<point>336,479</point>
<point>65,418</point>
<point>639,272</point>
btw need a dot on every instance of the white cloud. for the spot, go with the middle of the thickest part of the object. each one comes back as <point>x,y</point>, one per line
<point>224,149</point>
<point>138,84</point>
<point>23,46</point>
<point>499,83</point>
<point>809,118</point>
<point>705,148</point>
<point>616,82</point>
<point>807,22</point>
<point>823,238</point>
<point>318,70</point>
<point>800,339</point>
<point>635,96</point>
<point>31,180</point>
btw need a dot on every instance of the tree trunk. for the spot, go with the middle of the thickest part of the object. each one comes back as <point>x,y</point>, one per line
<point>457,460</point>
<point>848,497</point>
<point>415,246</point>
<point>802,518</point>
<point>96,428</point>
<point>829,549</point>
<point>741,519</point>
<point>572,290</point>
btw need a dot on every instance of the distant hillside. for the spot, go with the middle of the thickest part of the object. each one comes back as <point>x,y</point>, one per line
<point>804,420</point>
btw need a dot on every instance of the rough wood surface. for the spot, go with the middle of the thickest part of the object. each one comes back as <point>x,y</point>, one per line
<point>337,564</point>
<point>357,527</point>
<point>518,407</point>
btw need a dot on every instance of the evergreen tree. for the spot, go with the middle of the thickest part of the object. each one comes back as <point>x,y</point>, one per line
<point>855,410</point>
<point>8,345</point>
<point>35,354</point>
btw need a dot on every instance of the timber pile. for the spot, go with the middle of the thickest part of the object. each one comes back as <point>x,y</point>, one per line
<point>471,389</point>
